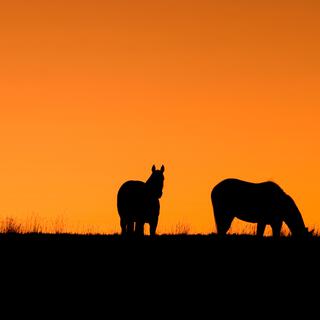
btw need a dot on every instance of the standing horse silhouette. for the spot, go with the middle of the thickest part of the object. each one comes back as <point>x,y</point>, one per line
<point>138,203</point>
<point>262,203</point>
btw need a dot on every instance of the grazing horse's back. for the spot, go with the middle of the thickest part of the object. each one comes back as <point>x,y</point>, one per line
<point>262,203</point>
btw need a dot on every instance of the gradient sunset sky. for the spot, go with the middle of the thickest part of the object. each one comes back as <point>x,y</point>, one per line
<point>93,93</point>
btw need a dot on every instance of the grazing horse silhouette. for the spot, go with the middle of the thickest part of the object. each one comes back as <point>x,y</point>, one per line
<point>262,203</point>
<point>138,203</point>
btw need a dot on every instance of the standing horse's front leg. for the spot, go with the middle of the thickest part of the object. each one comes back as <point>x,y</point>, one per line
<point>153,226</point>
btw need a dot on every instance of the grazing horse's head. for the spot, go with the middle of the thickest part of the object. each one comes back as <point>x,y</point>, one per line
<point>294,220</point>
<point>155,182</point>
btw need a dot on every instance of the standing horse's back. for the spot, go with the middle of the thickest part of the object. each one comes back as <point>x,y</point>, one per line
<point>129,198</point>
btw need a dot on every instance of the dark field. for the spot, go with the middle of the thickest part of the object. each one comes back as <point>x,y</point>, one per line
<point>172,273</point>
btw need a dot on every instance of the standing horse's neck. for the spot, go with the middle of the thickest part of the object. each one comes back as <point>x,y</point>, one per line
<point>149,182</point>
<point>154,189</point>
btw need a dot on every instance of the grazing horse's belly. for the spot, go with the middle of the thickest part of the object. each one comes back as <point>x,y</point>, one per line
<point>250,214</point>
<point>250,209</point>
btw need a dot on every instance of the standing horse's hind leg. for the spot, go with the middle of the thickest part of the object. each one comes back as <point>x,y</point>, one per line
<point>130,227</point>
<point>123,224</point>
<point>139,230</point>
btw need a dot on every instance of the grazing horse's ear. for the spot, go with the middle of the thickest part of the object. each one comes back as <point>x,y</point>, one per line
<point>162,168</point>
<point>153,168</point>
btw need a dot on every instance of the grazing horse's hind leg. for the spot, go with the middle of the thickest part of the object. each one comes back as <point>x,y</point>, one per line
<point>260,229</point>
<point>223,222</point>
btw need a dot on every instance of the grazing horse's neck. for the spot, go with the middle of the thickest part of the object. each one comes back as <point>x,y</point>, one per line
<point>294,218</point>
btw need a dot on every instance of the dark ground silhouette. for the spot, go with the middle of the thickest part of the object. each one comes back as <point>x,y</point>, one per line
<point>164,248</point>
<point>174,273</point>
<point>169,272</point>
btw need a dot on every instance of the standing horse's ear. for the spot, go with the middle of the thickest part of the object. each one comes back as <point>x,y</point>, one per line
<point>162,168</point>
<point>153,168</point>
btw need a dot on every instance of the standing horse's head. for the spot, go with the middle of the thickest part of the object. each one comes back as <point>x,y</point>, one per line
<point>155,182</point>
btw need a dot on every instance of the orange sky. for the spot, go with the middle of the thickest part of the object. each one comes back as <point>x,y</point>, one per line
<point>93,93</point>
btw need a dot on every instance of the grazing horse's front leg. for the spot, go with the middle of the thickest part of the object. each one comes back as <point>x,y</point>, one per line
<point>276,228</point>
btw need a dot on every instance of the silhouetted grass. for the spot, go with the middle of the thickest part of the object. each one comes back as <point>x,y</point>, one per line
<point>181,229</point>
<point>159,238</point>
<point>37,225</point>
<point>35,228</point>
<point>10,226</point>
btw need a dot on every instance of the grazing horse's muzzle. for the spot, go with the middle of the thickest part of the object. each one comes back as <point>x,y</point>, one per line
<point>305,233</point>
<point>309,233</point>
